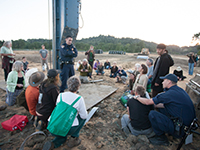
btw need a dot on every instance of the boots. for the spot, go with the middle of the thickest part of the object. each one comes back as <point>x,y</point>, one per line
<point>39,126</point>
<point>72,142</point>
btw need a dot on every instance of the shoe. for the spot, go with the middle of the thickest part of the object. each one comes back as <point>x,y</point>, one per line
<point>35,121</point>
<point>48,146</point>
<point>72,142</point>
<point>3,107</point>
<point>39,126</point>
<point>159,140</point>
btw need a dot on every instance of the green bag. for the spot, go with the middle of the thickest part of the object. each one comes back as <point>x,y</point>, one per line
<point>62,118</point>
<point>125,98</point>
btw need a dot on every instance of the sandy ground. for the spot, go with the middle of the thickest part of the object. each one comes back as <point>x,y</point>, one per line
<point>103,131</point>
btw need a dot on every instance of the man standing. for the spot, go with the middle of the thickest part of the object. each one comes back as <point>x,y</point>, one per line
<point>161,68</point>
<point>175,107</point>
<point>44,60</point>
<point>90,56</point>
<point>149,63</point>
<point>67,54</point>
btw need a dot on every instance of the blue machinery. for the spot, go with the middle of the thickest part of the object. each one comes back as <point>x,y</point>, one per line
<point>65,22</point>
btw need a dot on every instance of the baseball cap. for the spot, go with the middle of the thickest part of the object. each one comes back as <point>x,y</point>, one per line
<point>171,77</point>
<point>52,73</point>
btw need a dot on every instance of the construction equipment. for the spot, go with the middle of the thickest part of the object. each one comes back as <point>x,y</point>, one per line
<point>193,90</point>
<point>65,22</point>
<point>144,51</point>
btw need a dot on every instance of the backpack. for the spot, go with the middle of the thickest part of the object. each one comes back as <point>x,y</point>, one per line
<point>21,100</point>
<point>62,118</point>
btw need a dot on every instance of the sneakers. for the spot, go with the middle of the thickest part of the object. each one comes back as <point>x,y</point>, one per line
<point>39,126</point>
<point>72,142</point>
<point>159,140</point>
<point>48,146</point>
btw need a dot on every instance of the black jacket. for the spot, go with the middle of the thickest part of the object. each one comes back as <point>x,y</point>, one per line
<point>48,101</point>
<point>165,63</point>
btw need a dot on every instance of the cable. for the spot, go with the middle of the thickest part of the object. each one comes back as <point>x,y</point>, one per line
<point>80,5</point>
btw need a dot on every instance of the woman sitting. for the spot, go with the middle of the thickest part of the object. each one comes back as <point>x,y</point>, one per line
<point>100,69</point>
<point>85,71</point>
<point>69,97</point>
<point>141,78</point>
<point>179,73</point>
<point>49,91</point>
<point>15,83</point>
<point>114,70</point>
<point>96,64</point>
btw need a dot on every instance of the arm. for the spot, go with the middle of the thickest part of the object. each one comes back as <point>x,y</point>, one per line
<point>82,109</point>
<point>145,80</point>
<point>160,105</point>
<point>145,101</point>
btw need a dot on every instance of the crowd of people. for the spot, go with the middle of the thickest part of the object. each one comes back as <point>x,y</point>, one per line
<point>152,117</point>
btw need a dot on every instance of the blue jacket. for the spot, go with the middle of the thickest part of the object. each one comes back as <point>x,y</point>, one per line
<point>66,52</point>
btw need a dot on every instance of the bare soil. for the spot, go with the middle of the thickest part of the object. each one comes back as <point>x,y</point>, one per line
<point>103,131</point>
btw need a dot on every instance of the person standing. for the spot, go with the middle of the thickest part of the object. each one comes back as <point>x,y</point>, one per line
<point>161,68</point>
<point>149,63</point>
<point>8,58</point>
<point>43,55</point>
<point>67,53</point>
<point>191,62</point>
<point>90,55</point>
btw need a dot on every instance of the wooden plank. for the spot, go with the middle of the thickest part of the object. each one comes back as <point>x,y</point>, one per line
<point>93,94</point>
<point>3,85</point>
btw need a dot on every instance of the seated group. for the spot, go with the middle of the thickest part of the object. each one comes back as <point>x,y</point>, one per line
<point>42,97</point>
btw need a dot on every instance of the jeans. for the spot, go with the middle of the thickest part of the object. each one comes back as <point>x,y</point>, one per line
<point>191,68</point>
<point>127,127</point>
<point>74,132</point>
<point>97,71</point>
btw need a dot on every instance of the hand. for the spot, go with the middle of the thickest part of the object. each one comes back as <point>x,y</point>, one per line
<point>13,54</point>
<point>20,85</point>
<point>86,70</point>
<point>156,84</point>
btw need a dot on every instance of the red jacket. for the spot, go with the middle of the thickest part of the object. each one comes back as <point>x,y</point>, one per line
<point>32,94</point>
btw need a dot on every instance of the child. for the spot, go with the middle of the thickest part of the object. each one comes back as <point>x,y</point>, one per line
<point>25,65</point>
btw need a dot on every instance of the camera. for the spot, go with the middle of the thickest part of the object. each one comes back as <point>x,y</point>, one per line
<point>83,69</point>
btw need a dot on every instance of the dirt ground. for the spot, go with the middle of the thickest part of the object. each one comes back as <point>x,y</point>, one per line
<point>103,131</point>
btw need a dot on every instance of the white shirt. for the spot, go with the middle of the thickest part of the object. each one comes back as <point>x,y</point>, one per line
<point>69,98</point>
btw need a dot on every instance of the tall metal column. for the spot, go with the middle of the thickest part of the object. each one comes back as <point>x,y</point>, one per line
<point>65,22</point>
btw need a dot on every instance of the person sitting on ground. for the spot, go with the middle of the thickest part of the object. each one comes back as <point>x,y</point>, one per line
<point>69,97</point>
<point>107,64</point>
<point>149,63</point>
<point>141,78</point>
<point>100,69</point>
<point>136,121</point>
<point>114,70</point>
<point>121,75</point>
<point>32,92</point>
<point>85,71</point>
<point>173,104</point>
<point>78,65</point>
<point>25,65</point>
<point>96,64</point>
<point>179,73</point>
<point>48,92</point>
<point>133,75</point>
<point>15,83</point>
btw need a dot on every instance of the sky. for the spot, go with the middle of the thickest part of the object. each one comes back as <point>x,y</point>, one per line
<point>172,22</point>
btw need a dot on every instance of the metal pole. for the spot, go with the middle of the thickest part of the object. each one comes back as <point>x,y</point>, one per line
<point>49,34</point>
